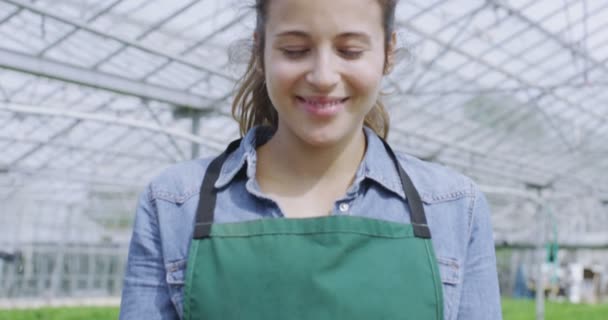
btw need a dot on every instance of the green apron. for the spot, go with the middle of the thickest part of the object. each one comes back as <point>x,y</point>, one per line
<point>336,267</point>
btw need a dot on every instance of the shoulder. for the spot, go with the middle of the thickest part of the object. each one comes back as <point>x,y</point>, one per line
<point>179,182</point>
<point>436,182</point>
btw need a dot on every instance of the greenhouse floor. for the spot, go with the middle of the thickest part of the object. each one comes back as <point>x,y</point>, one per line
<point>21,304</point>
<point>512,310</point>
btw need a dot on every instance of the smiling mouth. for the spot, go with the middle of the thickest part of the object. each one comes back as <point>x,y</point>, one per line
<point>322,102</point>
<point>322,107</point>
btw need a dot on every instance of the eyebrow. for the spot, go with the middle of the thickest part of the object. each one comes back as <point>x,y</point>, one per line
<point>301,34</point>
<point>293,33</point>
<point>359,35</point>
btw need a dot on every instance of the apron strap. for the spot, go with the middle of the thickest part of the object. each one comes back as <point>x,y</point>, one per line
<point>207,198</point>
<point>417,215</point>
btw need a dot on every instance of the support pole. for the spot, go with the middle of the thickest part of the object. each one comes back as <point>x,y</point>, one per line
<point>196,122</point>
<point>540,252</point>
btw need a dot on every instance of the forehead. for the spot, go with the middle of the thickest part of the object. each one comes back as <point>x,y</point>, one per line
<point>325,17</point>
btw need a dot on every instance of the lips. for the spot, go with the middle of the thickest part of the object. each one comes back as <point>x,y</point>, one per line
<point>322,106</point>
<point>322,102</point>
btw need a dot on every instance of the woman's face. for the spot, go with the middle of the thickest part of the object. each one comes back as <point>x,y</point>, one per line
<point>324,63</point>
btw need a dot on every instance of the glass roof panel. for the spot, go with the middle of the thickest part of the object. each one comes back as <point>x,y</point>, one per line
<point>513,93</point>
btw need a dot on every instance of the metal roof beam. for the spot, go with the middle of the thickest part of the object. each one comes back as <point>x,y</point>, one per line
<point>40,111</point>
<point>68,34</point>
<point>107,35</point>
<point>548,34</point>
<point>95,79</point>
<point>71,175</point>
<point>498,46</point>
<point>167,19</point>
<point>69,146</point>
<point>9,16</point>
<point>478,152</point>
<point>493,67</point>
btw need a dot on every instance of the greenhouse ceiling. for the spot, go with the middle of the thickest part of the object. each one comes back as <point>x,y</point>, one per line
<point>101,95</point>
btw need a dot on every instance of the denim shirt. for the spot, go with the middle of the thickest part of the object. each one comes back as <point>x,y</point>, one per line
<point>457,214</point>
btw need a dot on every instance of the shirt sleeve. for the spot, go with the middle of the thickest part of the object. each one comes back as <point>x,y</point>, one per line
<point>145,293</point>
<point>480,299</point>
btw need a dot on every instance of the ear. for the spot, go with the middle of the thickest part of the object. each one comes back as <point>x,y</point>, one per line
<point>390,54</point>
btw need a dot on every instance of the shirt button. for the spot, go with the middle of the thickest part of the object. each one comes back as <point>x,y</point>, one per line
<point>344,207</point>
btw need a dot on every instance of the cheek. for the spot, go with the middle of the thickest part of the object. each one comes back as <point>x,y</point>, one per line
<point>365,75</point>
<point>281,73</point>
<point>366,80</point>
<point>281,81</point>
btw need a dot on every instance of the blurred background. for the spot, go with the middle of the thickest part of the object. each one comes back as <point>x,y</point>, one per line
<point>96,97</point>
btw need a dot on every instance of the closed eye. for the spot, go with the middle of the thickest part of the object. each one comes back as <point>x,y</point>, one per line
<point>351,54</point>
<point>294,53</point>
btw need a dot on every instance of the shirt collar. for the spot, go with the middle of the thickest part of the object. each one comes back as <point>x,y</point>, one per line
<point>244,154</point>
<point>377,164</point>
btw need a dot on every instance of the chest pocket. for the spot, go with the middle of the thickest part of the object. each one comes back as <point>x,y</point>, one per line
<point>176,274</point>
<point>449,270</point>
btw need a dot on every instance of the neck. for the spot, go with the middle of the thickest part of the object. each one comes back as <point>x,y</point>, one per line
<point>291,157</point>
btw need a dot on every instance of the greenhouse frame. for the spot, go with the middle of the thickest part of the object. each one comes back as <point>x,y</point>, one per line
<point>98,97</point>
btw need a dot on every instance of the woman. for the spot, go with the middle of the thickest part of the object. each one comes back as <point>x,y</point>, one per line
<point>311,215</point>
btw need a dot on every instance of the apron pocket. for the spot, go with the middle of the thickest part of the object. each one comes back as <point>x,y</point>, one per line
<point>176,272</point>
<point>449,269</point>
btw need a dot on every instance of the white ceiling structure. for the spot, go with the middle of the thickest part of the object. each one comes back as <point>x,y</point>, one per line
<point>98,96</point>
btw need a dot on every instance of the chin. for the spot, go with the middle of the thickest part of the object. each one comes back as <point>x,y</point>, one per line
<point>320,142</point>
<point>319,133</point>
<point>323,137</point>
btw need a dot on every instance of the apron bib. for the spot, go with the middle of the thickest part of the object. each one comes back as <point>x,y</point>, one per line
<point>336,267</point>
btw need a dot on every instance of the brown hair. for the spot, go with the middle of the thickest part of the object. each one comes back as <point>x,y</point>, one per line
<point>252,105</point>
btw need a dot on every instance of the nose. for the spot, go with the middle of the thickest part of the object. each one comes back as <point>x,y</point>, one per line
<point>323,75</point>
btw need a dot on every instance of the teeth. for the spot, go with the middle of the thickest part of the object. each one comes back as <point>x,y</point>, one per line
<point>324,104</point>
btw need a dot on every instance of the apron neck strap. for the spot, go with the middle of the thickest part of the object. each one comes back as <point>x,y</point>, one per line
<point>208,196</point>
<point>417,215</point>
